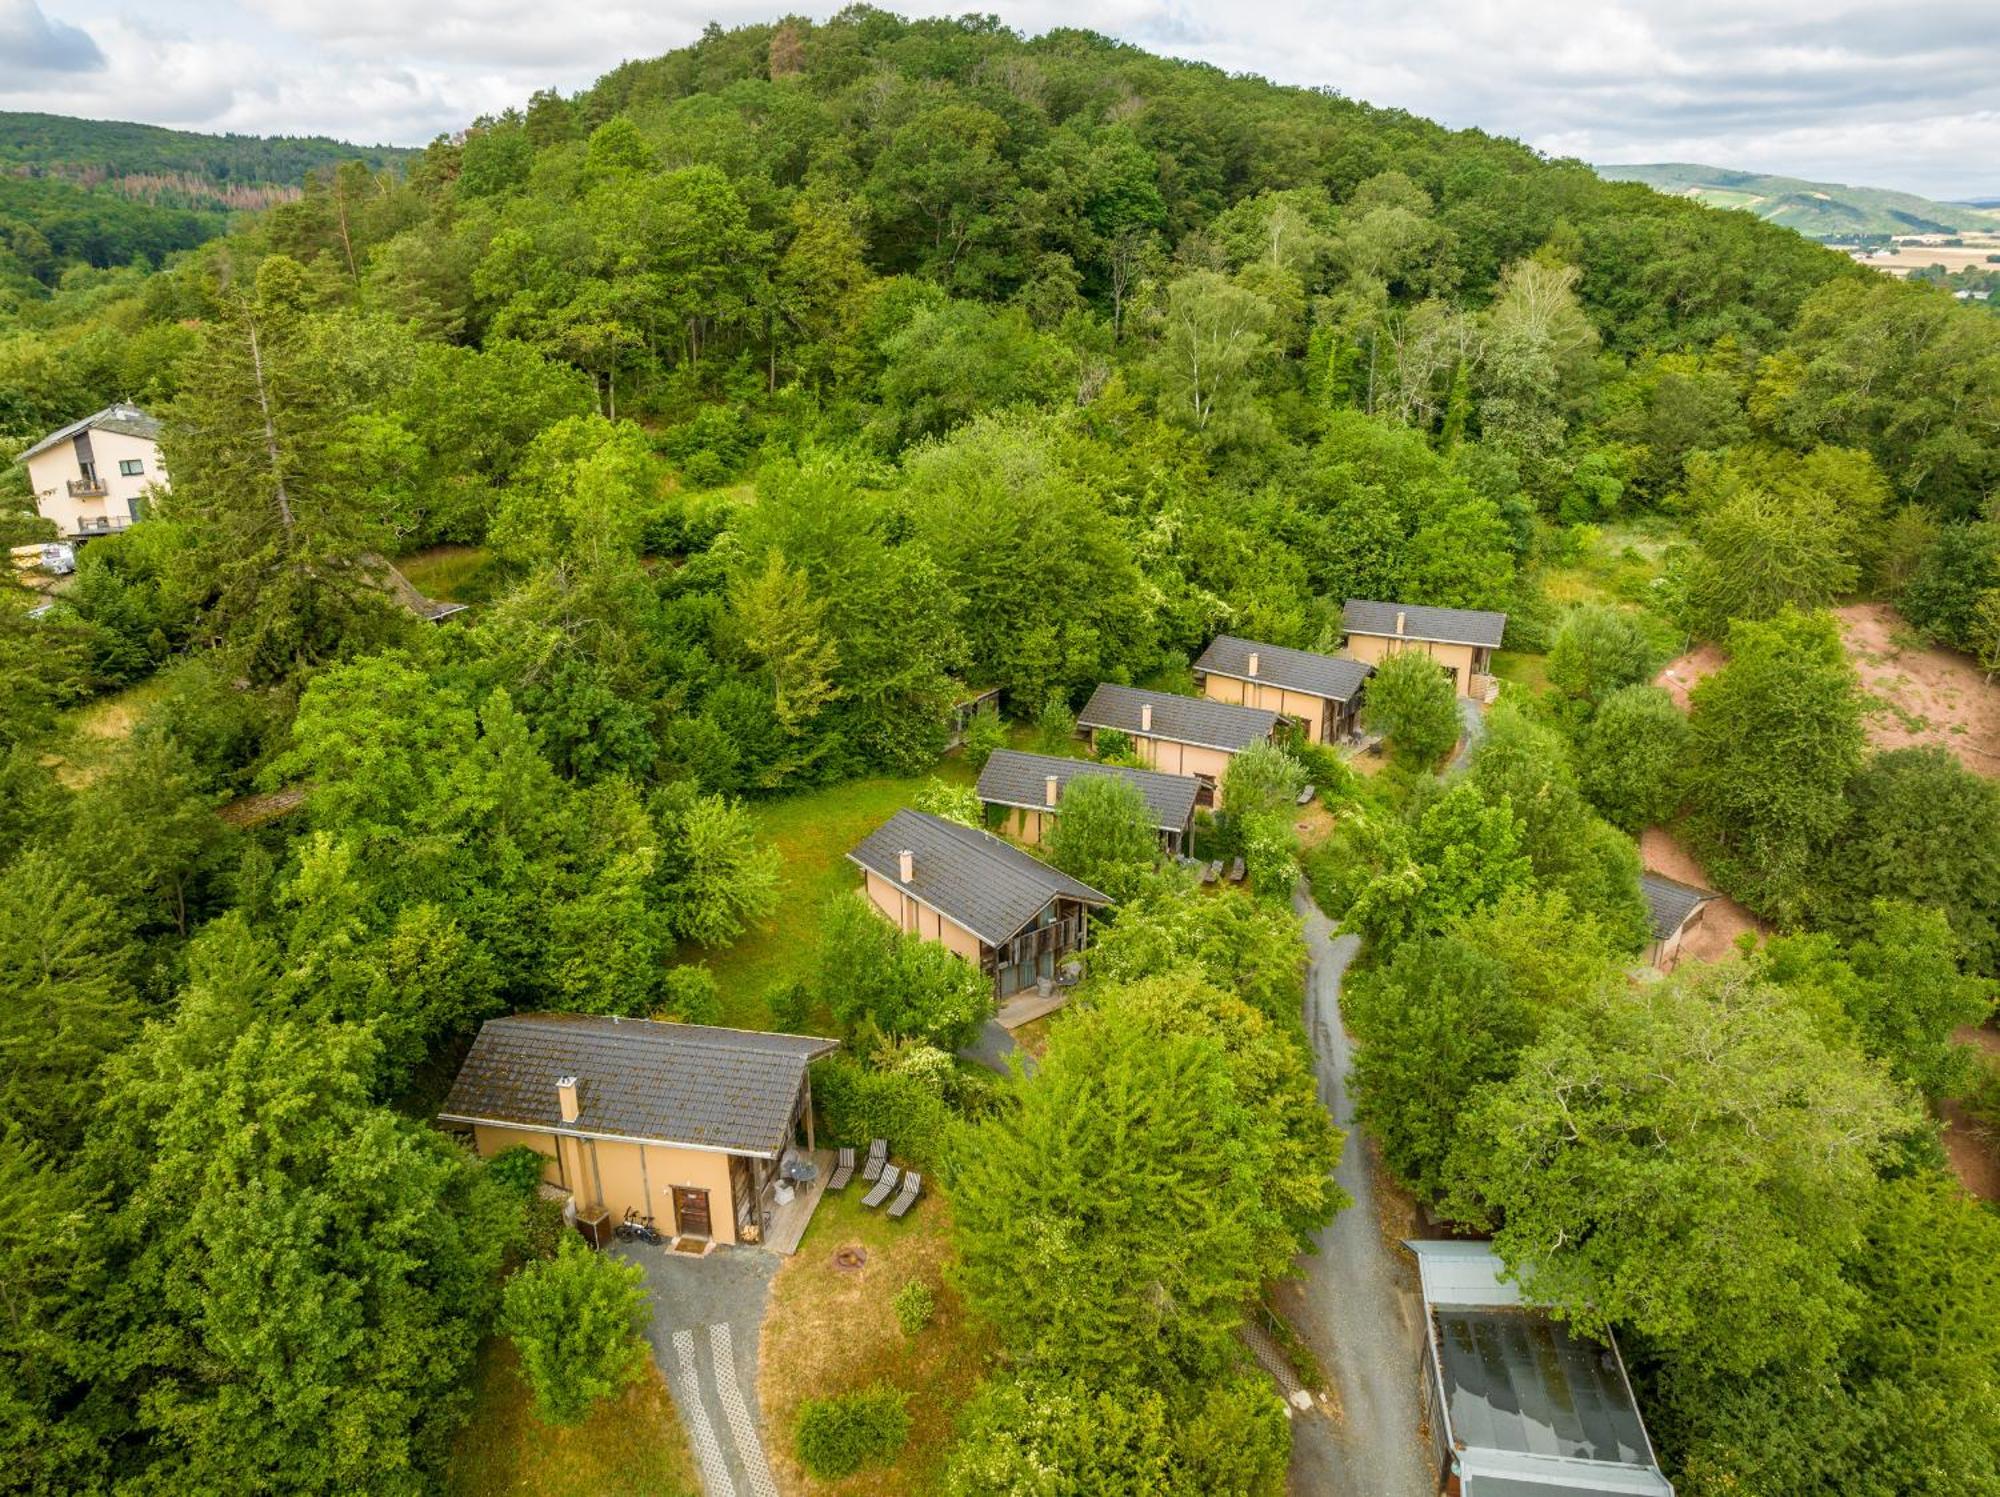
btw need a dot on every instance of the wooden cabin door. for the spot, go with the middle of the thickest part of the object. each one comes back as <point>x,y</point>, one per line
<point>691,1211</point>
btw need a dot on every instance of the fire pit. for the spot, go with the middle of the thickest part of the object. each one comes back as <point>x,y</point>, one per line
<point>850,1258</point>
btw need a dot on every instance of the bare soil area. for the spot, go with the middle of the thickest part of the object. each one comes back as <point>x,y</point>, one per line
<point>1924,694</point>
<point>1713,938</point>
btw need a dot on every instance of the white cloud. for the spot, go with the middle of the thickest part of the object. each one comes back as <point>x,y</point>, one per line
<point>31,44</point>
<point>1899,97</point>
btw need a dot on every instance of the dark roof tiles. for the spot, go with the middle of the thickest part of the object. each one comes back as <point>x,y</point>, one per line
<point>1455,626</point>
<point>1670,903</point>
<point>1331,676</point>
<point>988,886</point>
<point>687,1084</point>
<point>1013,778</point>
<point>1177,719</point>
<point>127,420</point>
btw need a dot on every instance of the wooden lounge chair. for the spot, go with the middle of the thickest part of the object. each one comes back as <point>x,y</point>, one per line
<point>912,1184</point>
<point>1306,795</point>
<point>1212,872</point>
<point>843,1171</point>
<point>878,1155</point>
<point>883,1186</point>
<point>1236,871</point>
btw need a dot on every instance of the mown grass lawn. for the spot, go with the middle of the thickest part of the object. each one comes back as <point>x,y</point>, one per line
<point>831,1330</point>
<point>813,832</point>
<point>631,1444</point>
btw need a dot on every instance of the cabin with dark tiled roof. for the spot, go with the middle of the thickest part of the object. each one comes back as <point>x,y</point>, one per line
<point>1009,913</point>
<point>1027,790</point>
<point>1318,693</point>
<point>686,1125</point>
<point>1177,734</point>
<point>1460,640</point>
<point>1675,909</point>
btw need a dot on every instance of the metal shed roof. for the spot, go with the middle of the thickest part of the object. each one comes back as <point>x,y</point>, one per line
<point>1530,1409</point>
<point>1670,902</point>
<point>128,420</point>
<point>693,1085</point>
<point>1450,626</point>
<point>1013,778</point>
<point>1332,676</point>
<point>988,886</point>
<point>1178,719</point>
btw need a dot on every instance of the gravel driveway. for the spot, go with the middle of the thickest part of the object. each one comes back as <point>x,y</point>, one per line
<point>1354,1306</point>
<point>707,1313</point>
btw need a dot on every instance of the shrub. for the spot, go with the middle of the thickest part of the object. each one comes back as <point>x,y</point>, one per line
<point>575,1321</point>
<point>791,1006</point>
<point>914,1305</point>
<point>859,1105</point>
<point>1055,725</point>
<point>1411,703</point>
<point>519,1169</point>
<point>958,803</point>
<point>690,995</point>
<point>983,735</point>
<point>1105,835</point>
<point>1114,746</point>
<point>838,1436</point>
<point>903,985</point>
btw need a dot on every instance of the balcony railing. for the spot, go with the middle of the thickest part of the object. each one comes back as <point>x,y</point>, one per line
<point>101,524</point>
<point>86,488</point>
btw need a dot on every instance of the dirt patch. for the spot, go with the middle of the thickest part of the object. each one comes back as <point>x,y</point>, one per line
<point>1922,694</point>
<point>1682,676</point>
<point>1713,938</point>
<point>1973,1149</point>
<point>1929,694</point>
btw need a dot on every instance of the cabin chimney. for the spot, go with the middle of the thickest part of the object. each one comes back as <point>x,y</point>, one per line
<point>566,1095</point>
<point>1253,662</point>
<point>906,866</point>
<point>1145,717</point>
<point>1401,619</point>
<point>1050,786</point>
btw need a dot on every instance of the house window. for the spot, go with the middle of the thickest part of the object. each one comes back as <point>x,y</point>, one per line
<point>131,467</point>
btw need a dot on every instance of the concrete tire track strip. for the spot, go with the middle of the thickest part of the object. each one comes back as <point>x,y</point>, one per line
<point>690,1381</point>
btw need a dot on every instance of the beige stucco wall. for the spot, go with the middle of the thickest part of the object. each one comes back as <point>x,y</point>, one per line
<point>1029,826</point>
<point>1464,659</point>
<point>1303,705</point>
<point>921,919</point>
<point>623,1175</point>
<point>49,474</point>
<point>1180,758</point>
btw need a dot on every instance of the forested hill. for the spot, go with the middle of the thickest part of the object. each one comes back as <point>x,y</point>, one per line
<point>100,192</point>
<point>92,151</point>
<point>768,399</point>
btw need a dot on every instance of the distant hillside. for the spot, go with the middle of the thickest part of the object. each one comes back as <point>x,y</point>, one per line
<point>94,152</point>
<point>99,192</point>
<point>1819,210</point>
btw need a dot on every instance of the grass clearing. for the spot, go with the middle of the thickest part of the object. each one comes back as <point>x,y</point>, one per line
<point>1519,668</point>
<point>831,1330</point>
<point>90,731</point>
<point>632,1444</point>
<point>447,574</point>
<point>813,832</point>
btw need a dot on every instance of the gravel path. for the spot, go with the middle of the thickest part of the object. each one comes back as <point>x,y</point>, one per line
<point>1473,716</point>
<point>706,1316</point>
<point>992,1046</point>
<point>1353,1306</point>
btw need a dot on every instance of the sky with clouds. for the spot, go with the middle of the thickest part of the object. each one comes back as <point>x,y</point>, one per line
<point>1890,95</point>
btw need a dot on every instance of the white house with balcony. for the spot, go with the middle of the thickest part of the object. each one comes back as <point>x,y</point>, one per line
<point>91,476</point>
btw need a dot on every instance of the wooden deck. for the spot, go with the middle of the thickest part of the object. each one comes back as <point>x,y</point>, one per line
<point>789,1222</point>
